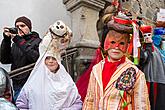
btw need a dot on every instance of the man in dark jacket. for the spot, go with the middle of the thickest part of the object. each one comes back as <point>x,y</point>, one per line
<point>23,51</point>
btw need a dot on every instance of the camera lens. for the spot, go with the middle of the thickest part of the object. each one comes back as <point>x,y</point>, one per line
<point>13,30</point>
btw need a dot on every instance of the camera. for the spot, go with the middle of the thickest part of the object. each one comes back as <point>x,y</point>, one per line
<point>13,30</point>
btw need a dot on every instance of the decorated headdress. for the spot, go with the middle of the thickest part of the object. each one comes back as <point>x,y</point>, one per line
<point>146,30</point>
<point>157,38</point>
<point>56,40</point>
<point>120,25</point>
<point>159,31</point>
<point>58,28</point>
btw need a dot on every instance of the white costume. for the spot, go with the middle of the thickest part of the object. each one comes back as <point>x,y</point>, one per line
<point>45,90</point>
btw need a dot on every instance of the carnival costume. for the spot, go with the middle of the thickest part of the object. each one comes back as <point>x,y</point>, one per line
<point>126,86</point>
<point>154,71</point>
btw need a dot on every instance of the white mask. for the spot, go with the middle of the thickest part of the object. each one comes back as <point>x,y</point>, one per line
<point>147,36</point>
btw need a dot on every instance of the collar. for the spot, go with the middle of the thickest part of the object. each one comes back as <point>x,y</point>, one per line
<point>122,60</point>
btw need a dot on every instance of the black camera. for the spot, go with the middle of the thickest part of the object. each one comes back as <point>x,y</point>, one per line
<point>13,30</point>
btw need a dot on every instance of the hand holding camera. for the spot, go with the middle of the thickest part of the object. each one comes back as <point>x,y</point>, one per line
<point>10,32</point>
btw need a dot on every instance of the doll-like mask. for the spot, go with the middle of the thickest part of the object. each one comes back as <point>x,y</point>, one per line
<point>57,39</point>
<point>61,35</point>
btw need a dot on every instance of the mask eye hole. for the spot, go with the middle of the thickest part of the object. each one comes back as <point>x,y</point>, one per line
<point>61,26</point>
<point>122,43</point>
<point>145,35</point>
<point>113,42</point>
<point>57,27</point>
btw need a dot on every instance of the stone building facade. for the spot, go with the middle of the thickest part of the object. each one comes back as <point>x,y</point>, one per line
<point>145,8</point>
<point>85,14</point>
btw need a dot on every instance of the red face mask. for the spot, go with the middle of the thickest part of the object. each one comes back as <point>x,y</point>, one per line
<point>115,42</point>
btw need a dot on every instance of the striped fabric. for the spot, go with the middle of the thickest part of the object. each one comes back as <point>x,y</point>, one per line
<point>110,98</point>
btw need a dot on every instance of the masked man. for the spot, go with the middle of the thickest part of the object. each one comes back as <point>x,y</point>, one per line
<point>115,82</point>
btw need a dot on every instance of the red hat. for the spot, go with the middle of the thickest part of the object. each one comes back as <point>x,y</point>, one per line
<point>121,25</point>
<point>25,20</point>
<point>146,29</point>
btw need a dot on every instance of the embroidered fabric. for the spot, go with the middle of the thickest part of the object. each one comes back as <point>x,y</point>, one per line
<point>127,80</point>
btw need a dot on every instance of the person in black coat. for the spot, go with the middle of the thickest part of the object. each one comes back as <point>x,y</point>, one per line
<point>20,47</point>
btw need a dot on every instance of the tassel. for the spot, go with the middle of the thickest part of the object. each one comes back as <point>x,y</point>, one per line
<point>136,62</point>
<point>123,95</point>
<point>136,43</point>
<point>130,48</point>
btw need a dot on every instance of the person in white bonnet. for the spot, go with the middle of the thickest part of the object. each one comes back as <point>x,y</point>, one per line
<point>49,86</point>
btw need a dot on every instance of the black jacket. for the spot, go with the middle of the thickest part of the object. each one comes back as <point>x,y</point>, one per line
<point>23,51</point>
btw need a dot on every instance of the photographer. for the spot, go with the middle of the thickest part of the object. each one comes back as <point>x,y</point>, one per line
<point>23,51</point>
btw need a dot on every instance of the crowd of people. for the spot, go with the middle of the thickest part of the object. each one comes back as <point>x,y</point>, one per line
<point>126,74</point>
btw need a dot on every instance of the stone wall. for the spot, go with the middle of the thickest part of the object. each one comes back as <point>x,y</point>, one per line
<point>145,8</point>
<point>84,14</point>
